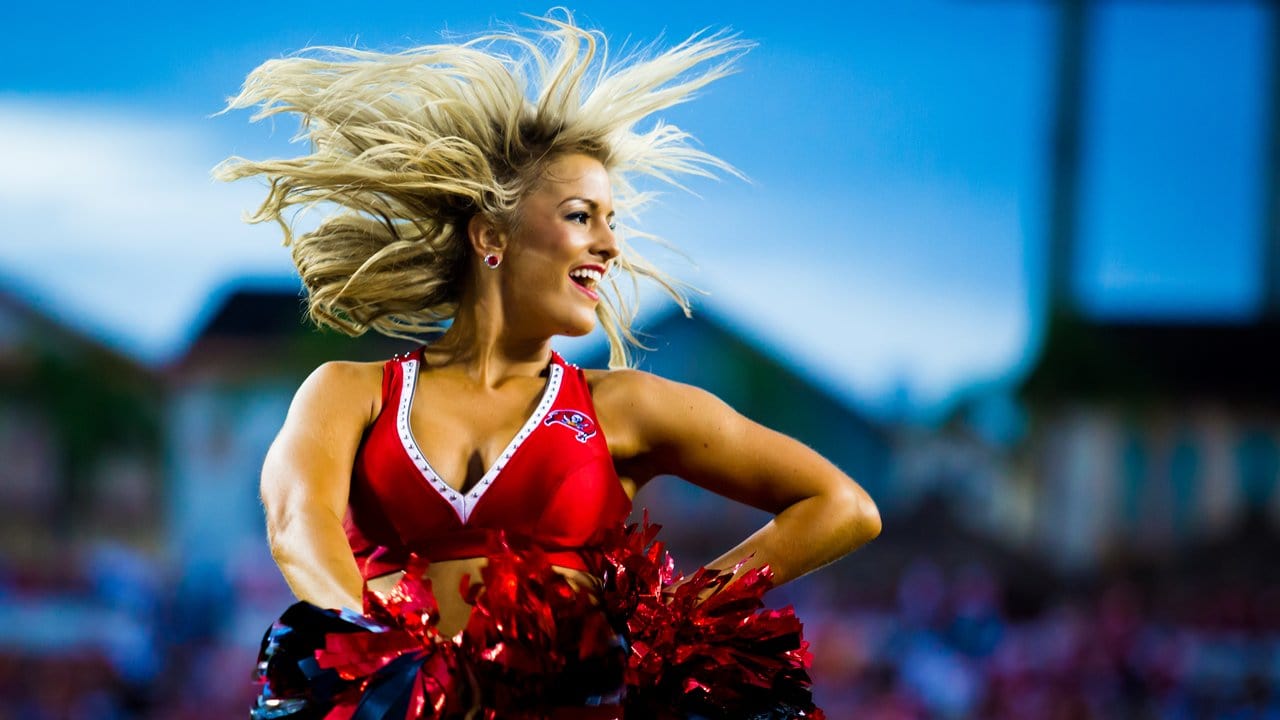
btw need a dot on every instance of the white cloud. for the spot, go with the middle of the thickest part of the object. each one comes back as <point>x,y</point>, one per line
<point>114,225</point>
<point>873,291</point>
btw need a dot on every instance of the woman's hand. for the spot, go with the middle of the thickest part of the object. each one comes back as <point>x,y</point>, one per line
<point>665,427</point>
<point>306,478</point>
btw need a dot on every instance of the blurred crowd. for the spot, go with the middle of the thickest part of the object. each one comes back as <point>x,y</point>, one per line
<point>113,642</point>
<point>957,647</point>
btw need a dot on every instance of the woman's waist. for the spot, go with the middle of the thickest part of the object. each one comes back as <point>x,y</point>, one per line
<point>454,585</point>
<point>475,544</point>
<point>449,576</point>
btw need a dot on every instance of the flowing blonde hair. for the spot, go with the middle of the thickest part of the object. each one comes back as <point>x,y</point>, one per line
<point>410,145</point>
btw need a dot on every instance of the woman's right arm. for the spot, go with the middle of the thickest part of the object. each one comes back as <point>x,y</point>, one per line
<point>306,478</point>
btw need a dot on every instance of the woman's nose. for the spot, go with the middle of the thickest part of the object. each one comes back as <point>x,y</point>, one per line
<point>607,244</point>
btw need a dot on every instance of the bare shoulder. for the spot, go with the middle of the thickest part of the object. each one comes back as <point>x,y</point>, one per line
<point>345,384</point>
<point>641,406</point>
<point>312,456</point>
<point>637,391</point>
<point>624,389</point>
<point>348,374</point>
<point>622,398</point>
<point>655,425</point>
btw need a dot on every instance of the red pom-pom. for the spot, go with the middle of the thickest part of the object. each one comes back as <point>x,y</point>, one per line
<point>534,646</point>
<point>536,642</point>
<point>410,650</point>
<point>703,645</point>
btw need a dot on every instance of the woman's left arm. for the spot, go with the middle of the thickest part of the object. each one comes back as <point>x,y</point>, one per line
<point>820,514</point>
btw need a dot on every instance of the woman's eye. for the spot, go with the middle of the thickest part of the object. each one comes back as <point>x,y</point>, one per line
<point>582,218</point>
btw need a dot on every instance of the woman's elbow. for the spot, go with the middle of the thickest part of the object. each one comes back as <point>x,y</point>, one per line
<point>862,517</point>
<point>870,520</point>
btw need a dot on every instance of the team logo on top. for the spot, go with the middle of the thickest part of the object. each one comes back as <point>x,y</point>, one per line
<point>582,425</point>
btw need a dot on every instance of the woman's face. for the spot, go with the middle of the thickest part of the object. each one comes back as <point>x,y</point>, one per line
<point>561,249</point>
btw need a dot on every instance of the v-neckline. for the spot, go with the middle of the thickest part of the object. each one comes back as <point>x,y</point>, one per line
<point>463,503</point>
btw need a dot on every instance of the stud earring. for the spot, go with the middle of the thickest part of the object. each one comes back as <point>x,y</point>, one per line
<point>492,260</point>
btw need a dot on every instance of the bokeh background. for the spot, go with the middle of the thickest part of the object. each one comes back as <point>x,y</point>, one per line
<point>1013,264</point>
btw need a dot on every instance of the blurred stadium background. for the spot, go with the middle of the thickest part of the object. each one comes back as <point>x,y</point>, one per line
<point>1014,266</point>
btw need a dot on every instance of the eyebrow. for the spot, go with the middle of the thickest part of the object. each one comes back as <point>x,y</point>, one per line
<point>590,203</point>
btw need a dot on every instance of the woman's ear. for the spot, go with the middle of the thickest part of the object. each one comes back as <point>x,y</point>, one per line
<point>485,237</point>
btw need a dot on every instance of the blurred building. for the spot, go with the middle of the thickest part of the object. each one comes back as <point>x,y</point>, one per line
<point>1147,437</point>
<point>80,435</point>
<point>1130,437</point>
<point>82,488</point>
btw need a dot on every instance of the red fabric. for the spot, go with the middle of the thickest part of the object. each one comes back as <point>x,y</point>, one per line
<point>557,492</point>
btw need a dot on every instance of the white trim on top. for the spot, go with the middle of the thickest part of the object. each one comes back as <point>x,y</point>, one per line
<point>464,503</point>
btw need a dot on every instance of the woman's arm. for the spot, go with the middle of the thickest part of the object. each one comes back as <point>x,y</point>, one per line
<point>306,478</point>
<point>820,513</point>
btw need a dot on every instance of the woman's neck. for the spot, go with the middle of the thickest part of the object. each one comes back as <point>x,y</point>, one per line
<point>479,344</point>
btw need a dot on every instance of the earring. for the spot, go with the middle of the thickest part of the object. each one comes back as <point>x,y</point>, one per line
<point>492,260</point>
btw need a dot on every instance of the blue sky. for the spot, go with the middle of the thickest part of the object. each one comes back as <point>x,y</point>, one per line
<point>890,239</point>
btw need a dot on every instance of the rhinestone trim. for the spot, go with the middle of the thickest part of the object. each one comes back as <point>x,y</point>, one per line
<point>463,504</point>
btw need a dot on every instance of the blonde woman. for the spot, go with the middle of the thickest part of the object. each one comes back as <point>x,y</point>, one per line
<point>478,191</point>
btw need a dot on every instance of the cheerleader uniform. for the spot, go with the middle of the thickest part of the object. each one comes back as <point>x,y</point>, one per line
<point>553,487</point>
<point>533,647</point>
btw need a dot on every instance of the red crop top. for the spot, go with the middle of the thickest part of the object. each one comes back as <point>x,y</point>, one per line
<point>554,486</point>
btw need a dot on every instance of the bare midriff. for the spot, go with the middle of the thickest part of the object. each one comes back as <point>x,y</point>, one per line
<point>446,581</point>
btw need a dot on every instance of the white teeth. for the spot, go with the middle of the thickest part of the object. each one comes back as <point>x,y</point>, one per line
<point>586,274</point>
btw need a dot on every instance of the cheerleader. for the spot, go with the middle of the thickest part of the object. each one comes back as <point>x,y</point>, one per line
<point>465,501</point>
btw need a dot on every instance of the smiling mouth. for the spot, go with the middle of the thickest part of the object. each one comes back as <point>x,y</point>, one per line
<point>586,278</point>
